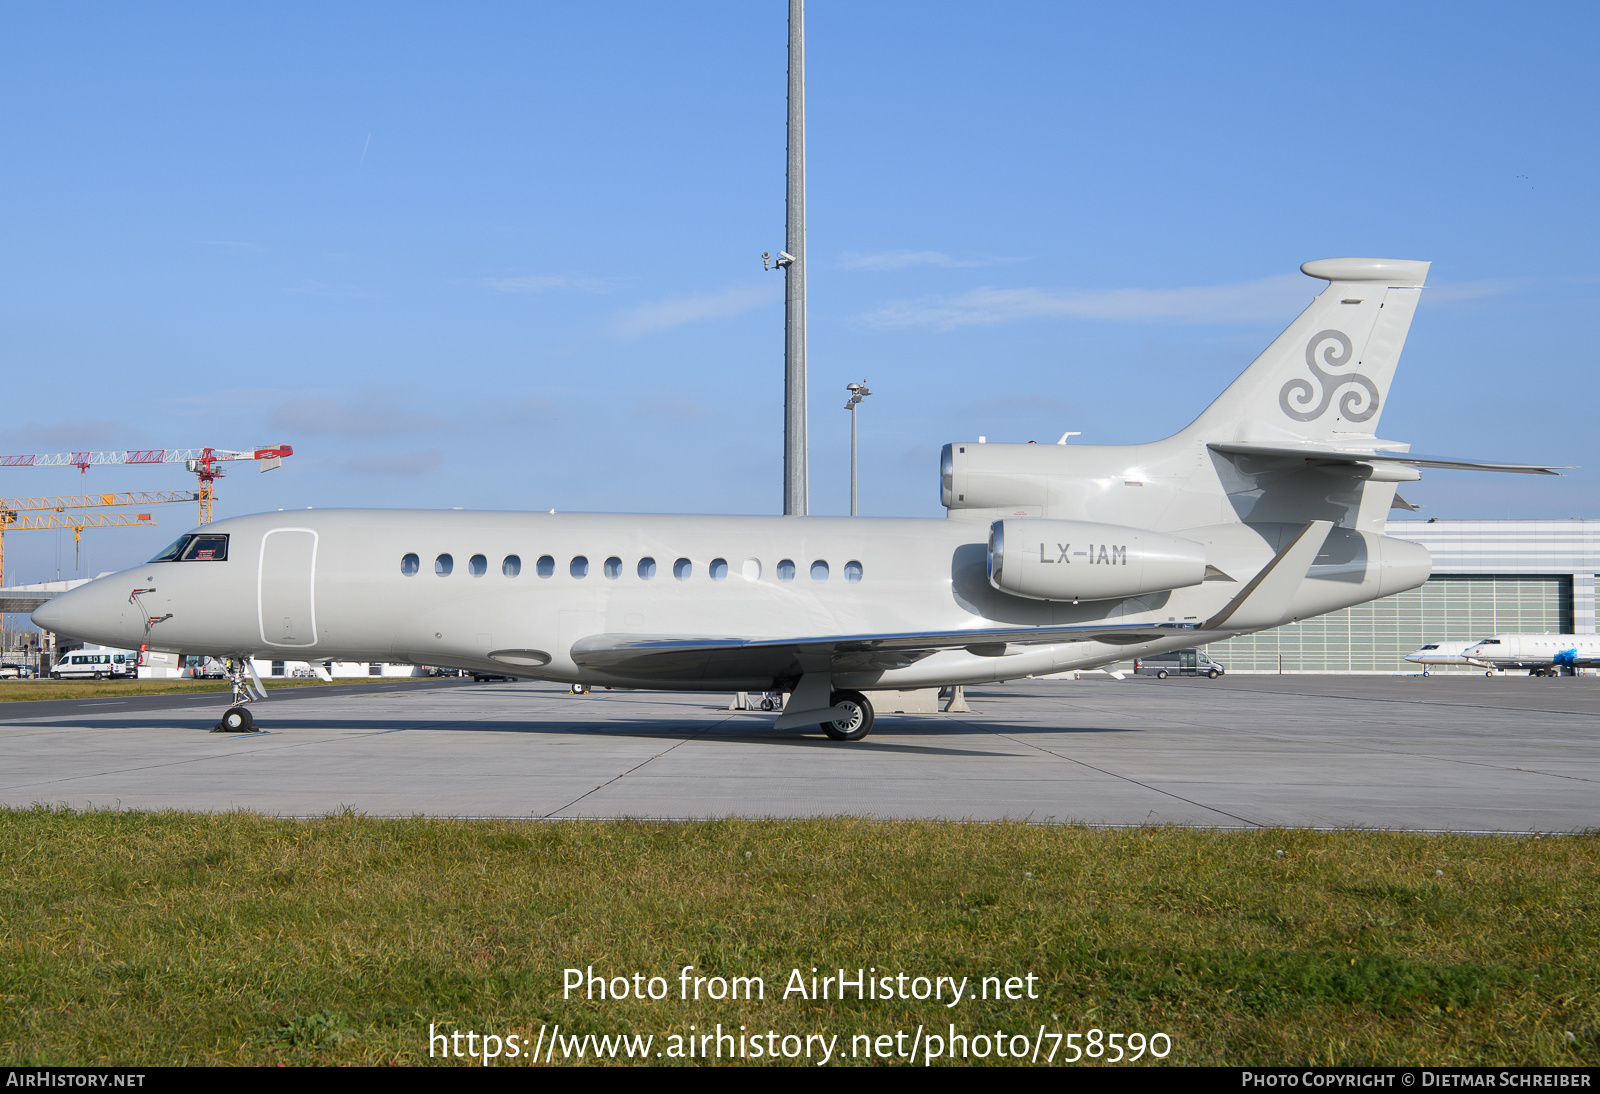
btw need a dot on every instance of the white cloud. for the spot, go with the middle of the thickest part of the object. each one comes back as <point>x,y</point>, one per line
<point>534,285</point>
<point>1467,290</point>
<point>1268,298</point>
<point>665,314</point>
<point>371,413</point>
<point>71,435</point>
<point>900,260</point>
<point>419,462</point>
<point>678,407</point>
<point>333,292</point>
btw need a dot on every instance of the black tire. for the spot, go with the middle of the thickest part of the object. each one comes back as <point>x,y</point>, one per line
<point>1161,674</point>
<point>1213,674</point>
<point>99,676</point>
<point>55,676</point>
<point>856,727</point>
<point>237,720</point>
<point>1489,673</point>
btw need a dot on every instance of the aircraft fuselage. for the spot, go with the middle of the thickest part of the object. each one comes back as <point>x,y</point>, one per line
<point>523,588</point>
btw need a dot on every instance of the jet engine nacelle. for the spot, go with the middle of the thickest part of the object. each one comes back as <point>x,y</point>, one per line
<point>1081,560</point>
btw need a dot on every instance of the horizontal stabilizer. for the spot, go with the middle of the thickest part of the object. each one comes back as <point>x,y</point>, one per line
<point>1330,454</point>
<point>1267,600</point>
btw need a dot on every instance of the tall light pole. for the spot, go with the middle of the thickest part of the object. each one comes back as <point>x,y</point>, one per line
<point>796,487</point>
<point>792,261</point>
<point>857,393</point>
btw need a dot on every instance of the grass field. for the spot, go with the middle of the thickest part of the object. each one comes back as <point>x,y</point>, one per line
<point>21,690</point>
<point>136,938</point>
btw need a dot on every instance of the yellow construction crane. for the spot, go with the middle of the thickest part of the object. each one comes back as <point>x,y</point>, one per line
<point>39,514</point>
<point>204,462</point>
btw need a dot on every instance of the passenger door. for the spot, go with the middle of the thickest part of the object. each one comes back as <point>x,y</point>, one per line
<point>285,587</point>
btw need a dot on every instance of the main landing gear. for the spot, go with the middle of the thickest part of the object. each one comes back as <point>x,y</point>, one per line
<point>858,724</point>
<point>246,688</point>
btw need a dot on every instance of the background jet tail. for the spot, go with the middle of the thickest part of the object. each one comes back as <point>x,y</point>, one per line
<point>1328,375</point>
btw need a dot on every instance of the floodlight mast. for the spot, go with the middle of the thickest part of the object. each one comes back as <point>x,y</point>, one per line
<point>796,486</point>
<point>857,393</point>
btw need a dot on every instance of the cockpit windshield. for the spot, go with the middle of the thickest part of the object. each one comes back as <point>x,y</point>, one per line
<point>196,547</point>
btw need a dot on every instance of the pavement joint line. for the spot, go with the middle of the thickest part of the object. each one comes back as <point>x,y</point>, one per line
<point>333,737</point>
<point>1124,778</point>
<point>1422,702</point>
<point>631,770</point>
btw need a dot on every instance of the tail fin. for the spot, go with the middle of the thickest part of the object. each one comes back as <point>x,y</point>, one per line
<point>1327,375</point>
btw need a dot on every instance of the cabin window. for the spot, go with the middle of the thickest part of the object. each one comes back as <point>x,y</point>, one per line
<point>613,568</point>
<point>682,569</point>
<point>786,570</point>
<point>174,549</point>
<point>206,548</point>
<point>545,566</point>
<point>512,566</point>
<point>719,569</point>
<point>443,565</point>
<point>410,565</point>
<point>752,569</point>
<point>196,547</point>
<point>477,565</point>
<point>819,570</point>
<point>580,566</point>
<point>647,568</point>
<point>852,572</point>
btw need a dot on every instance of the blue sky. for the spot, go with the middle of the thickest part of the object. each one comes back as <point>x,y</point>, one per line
<point>507,256</point>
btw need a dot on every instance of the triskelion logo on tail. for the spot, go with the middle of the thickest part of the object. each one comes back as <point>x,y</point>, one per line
<point>1357,405</point>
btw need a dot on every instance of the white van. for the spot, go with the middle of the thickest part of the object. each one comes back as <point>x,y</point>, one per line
<point>98,664</point>
<point>1189,662</point>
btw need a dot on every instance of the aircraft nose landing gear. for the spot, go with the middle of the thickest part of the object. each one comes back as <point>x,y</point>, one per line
<point>236,720</point>
<point>247,688</point>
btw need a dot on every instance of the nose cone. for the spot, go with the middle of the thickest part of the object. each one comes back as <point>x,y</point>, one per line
<point>1414,656</point>
<point>97,612</point>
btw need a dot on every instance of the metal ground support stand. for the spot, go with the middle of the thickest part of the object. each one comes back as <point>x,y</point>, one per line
<point>955,700</point>
<point>247,688</point>
<point>763,700</point>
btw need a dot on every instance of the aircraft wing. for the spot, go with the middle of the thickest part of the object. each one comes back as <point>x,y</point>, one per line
<point>668,657</point>
<point>1329,454</point>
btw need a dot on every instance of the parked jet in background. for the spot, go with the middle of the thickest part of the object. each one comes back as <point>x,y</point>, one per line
<point>1441,653</point>
<point>1269,507</point>
<point>1540,654</point>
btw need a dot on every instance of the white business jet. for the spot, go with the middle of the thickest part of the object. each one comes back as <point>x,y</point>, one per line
<point>1269,508</point>
<point>1540,654</point>
<point>1434,654</point>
